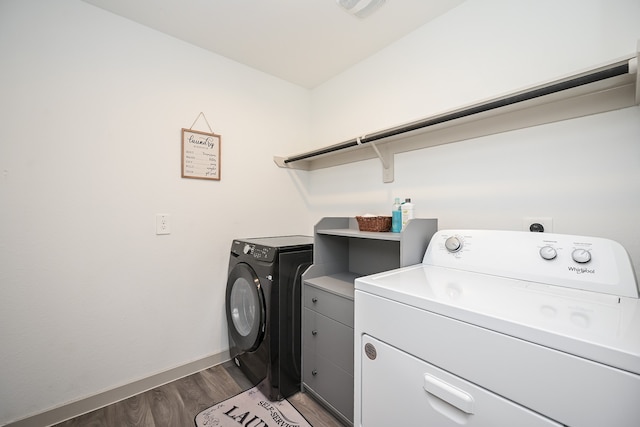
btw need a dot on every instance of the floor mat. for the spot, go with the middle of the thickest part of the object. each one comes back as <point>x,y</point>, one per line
<point>251,409</point>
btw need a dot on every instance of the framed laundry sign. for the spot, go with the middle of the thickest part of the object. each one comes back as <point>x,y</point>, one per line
<point>200,155</point>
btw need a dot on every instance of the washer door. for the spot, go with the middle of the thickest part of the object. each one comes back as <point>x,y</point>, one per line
<point>246,310</point>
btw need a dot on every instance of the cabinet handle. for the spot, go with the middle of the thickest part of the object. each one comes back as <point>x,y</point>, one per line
<point>314,372</point>
<point>314,300</point>
<point>314,332</point>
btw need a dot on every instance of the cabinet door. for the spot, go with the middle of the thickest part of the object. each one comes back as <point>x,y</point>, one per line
<point>330,339</point>
<point>328,304</point>
<point>330,382</point>
<point>398,389</point>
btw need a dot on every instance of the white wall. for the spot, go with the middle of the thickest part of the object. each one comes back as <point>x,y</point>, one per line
<point>584,173</point>
<point>92,106</point>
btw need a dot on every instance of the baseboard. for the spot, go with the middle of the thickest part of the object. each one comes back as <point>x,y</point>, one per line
<point>100,400</point>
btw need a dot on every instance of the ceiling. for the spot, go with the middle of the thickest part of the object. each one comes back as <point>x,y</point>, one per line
<point>305,42</point>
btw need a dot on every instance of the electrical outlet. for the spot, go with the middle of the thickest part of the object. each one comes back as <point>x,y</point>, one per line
<point>163,225</point>
<point>545,222</point>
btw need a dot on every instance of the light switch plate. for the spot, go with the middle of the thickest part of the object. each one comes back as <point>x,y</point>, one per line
<point>163,224</point>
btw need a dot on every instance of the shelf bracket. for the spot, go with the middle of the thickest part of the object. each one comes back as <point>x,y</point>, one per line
<point>386,159</point>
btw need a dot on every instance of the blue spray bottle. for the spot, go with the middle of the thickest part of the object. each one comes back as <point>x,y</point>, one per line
<point>396,216</point>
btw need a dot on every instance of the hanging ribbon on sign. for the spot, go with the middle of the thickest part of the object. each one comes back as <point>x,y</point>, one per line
<point>205,119</point>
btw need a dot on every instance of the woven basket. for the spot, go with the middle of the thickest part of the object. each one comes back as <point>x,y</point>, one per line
<point>374,223</point>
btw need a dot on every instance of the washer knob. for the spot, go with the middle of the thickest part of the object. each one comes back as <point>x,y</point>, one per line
<point>581,256</point>
<point>548,253</point>
<point>453,244</point>
<point>247,249</point>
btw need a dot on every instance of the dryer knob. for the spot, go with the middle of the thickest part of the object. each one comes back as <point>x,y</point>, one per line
<point>453,244</point>
<point>581,256</point>
<point>247,249</point>
<point>548,253</point>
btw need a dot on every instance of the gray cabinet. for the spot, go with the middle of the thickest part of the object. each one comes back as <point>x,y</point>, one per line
<point>341,254</point>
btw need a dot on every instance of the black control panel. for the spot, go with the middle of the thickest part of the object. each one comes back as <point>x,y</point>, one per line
<point>259,252</point>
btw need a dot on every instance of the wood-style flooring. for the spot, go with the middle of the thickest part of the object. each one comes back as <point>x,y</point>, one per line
<point>176,404</point>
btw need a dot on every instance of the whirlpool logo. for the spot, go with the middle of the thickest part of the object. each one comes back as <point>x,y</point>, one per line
<point>582,270</point>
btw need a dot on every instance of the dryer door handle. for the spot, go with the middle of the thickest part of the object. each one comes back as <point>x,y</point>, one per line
<point>450,394</point>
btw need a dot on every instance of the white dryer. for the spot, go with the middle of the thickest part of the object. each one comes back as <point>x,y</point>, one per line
<point>500,328</point>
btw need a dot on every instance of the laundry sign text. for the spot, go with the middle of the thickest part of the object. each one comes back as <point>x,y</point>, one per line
<point>200,155</point>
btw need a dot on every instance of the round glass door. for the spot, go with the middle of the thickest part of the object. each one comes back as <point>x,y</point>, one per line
<point>245,308</point>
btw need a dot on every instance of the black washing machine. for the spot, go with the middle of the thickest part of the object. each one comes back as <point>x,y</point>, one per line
<point>263,309</point>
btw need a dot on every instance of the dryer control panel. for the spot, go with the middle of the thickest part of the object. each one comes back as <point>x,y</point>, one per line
<point>579,262</point>
<point>258,252</point>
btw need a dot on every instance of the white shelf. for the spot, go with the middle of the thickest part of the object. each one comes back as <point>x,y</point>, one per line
<point>609,87</point>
